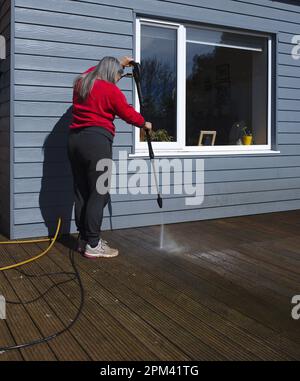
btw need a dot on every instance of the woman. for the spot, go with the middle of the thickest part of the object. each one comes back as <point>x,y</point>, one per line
<point>96,102</point>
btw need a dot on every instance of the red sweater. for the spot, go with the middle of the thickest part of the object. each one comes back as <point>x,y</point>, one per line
<point>101,107</point>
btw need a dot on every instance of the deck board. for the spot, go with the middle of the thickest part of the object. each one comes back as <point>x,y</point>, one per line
<point>217,290</point>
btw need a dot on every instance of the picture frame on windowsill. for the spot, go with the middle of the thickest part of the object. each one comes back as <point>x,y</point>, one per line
<point>207,138</point>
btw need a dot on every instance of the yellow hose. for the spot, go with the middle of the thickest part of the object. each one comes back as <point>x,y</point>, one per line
<point>53,240</point>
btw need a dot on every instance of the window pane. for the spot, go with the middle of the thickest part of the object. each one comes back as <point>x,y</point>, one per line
<point>226,93</point>
<point>159,79</point>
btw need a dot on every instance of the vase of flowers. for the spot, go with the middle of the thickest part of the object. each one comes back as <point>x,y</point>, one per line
<point>247,137</point>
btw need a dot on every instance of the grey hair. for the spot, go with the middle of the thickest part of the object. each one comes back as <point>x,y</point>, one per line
<point>107,70</point>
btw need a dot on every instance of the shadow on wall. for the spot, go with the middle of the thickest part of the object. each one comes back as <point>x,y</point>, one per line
<point>56,196</point>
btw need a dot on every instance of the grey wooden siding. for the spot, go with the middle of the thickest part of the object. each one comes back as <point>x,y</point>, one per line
<point>57,39</point>
<point>5,13</point>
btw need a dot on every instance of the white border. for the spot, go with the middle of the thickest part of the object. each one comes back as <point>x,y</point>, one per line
<point>179,148</point>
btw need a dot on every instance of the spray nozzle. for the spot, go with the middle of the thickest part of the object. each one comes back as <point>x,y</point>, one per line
<point>160,201</point>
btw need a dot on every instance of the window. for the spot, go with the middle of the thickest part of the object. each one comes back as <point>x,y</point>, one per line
<point>205,89</point>
<point>159,82</point>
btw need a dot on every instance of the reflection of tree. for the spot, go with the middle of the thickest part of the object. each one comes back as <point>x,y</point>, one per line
<point>159,91</point>
<point>200,61</point>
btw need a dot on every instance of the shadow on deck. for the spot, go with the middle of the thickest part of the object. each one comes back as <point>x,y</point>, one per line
<point>217,290</point>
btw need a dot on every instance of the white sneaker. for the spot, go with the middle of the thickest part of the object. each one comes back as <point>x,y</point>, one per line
<point>101,250</point>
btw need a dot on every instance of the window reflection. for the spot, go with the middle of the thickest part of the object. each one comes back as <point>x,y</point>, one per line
<point>159,80</point>
<point>226,89</point>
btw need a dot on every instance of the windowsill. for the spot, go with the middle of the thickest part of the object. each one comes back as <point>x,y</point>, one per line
<point>173,153</point>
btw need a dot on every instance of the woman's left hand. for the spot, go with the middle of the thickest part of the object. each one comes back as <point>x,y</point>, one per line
<point>147,126</point>
<point>125,61</point>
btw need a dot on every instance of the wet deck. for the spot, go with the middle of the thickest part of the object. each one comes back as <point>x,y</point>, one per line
<point>218,290</point>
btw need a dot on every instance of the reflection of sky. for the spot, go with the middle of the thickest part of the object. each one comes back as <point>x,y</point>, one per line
<point>161,49</point>
<point>159,43</point>
<point>192,51</point>
<point>204,35</point>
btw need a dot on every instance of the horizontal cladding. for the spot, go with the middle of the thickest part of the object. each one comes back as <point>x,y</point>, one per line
<point>46,124</point>
<point>58,39</point>
<point>5,30</point>
<point>29,175</point>
<point>96,23</point>
<point>147,219</point>
<point>56,96</point>
<point>40,139</point>
<point>229,12</point>
<point>50,213</point>
<point>64,196</point>
<point>72,36</point>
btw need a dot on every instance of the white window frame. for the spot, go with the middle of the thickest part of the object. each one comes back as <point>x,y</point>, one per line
<point>179,147</point>
<point>163,146</point>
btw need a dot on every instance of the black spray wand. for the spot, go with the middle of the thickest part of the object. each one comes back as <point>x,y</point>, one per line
<point>137,78</point>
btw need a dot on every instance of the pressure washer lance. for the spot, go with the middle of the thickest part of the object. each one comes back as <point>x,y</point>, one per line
<point>137,78</point>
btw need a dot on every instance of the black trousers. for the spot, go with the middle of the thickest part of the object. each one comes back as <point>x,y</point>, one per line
<point>86,146</point>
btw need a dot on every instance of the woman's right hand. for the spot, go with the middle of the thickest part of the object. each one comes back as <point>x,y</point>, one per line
<point>147,126</point>
<point>125,61</point>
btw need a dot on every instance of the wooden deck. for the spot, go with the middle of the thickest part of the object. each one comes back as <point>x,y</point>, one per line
<point>218,290</point>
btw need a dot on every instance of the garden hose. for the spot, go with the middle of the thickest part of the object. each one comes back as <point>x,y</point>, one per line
<point>72,322</point>
<point>75,277</point>
<point>52,240</point>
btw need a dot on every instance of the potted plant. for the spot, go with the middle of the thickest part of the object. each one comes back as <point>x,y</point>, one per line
<point>247,137</point>
<point>159,136</point>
